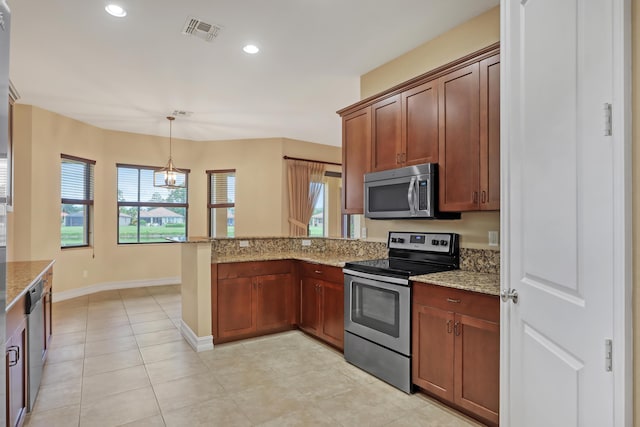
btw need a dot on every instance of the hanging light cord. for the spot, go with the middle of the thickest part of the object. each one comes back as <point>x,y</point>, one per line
<point>171,119</point>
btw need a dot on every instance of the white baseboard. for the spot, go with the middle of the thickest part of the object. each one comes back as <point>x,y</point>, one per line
<point>197,343</point>
<point>111,286</point>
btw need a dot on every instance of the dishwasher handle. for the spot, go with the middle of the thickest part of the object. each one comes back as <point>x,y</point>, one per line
<point>34,295</point>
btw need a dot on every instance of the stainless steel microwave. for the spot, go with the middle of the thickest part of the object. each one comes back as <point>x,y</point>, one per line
<point>409,192</point>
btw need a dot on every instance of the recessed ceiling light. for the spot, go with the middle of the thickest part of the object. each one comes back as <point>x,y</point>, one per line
<point>250,48</point>
<point>115,10</point>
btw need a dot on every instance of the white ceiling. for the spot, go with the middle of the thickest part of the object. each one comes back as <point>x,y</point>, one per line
<point>71,57</point>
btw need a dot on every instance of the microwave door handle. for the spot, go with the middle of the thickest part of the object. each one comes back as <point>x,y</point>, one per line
<point>411,196</point>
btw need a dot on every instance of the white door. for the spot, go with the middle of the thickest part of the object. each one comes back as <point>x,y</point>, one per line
<point>558,213</point>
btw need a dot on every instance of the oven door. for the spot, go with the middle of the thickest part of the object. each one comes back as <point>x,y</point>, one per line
<point>378,308</point>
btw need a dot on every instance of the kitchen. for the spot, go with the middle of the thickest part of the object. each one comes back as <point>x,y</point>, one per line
<point>45,135</point>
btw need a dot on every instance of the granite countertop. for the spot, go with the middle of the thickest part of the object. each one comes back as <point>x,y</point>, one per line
<point>466,280</point>
<point>21,275</point>
<point>326,259</point>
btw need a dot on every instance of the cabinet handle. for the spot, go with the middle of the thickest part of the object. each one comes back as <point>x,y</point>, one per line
<point>15,350</point>
<point>448,326</point>
<point>484,196</point>
<point>455,301</point>
<point>404,157</point>
<point>457,328</point>
<point>318,271</point>
<point>474,195</point>
<point>397,158</point>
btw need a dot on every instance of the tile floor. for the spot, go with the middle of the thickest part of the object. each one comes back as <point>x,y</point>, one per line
<point>118,358</point>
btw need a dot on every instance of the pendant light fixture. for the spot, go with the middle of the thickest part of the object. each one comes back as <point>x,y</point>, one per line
<point>169,176</point>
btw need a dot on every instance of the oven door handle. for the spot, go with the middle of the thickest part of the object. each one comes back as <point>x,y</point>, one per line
<point>379,278</point>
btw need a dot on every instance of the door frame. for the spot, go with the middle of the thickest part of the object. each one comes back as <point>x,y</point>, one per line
<point>622,214</point>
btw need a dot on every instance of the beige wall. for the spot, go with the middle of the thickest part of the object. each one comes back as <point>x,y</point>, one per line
<point>462,40</point>
<point>34,225</point>
<point>635,26</point>
<point>466,38</point>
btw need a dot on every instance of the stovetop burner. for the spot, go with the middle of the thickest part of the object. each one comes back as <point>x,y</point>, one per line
<point>414,254</point>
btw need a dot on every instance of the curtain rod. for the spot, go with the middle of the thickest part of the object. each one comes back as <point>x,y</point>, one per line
<point>312,161</point>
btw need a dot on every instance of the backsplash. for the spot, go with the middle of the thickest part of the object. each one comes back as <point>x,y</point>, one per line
<point>319,245</point>
<point>476,260</point>
<point>480,260</point>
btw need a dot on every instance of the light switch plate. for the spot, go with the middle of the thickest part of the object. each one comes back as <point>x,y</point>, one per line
<point>306,242</point>
<point>244,243</point>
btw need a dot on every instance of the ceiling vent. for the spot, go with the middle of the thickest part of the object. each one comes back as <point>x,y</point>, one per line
<point>181,113</point>
<point>203,30</point>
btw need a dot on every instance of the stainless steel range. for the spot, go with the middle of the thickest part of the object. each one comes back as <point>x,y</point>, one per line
<point>377,302</point>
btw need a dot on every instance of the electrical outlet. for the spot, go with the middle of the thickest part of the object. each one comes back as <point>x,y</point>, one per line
<point>493,238</point>
<point>306,242</point>
<point>363,232</point>
<point>244,243</point>
<point>85,274</point>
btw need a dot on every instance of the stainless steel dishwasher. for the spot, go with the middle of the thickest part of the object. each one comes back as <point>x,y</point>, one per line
<point>35,340</point>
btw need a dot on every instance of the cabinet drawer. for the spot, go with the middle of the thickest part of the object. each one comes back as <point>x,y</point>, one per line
<point>250,269</point>
<point>464,302</point>
<point>322,272</point>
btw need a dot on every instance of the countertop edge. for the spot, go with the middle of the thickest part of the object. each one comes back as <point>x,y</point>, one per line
<point>24,291</point>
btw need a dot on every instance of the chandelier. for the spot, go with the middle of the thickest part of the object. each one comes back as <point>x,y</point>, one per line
<point>170,176</point>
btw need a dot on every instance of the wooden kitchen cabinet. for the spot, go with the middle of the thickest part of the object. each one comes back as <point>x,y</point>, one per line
<point>469,138</point>
<point>459,139</point>
<point>405,128</point>
<point>322,303</point>
<point>456,348</point>
<point>16,364</point>
<point>449,116</point>
<point>386,133</point>
<point>490,133</point>
<point>420,125</point>
<point>356,159</point>
<point>252,298</point>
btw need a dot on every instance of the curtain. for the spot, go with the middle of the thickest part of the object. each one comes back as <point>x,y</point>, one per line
<point>305,184</point>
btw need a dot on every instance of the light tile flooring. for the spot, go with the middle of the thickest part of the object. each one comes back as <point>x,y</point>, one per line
<point>118,358</point>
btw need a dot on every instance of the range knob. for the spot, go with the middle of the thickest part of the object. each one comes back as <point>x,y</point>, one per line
<point>435,242</point>
<point>400,240</point>
<point>394,240</point>
<point>443,243</point>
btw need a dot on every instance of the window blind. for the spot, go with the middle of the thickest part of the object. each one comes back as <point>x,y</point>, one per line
<point>222,188</point>
<point>77,180</point>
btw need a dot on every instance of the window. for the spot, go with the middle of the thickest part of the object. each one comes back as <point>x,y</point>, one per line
<point>148,214</point>
<point>76,185</point>
<point>222,202</point>
<point>318,220</point>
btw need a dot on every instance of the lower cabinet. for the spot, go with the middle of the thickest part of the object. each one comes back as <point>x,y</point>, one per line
<point>456,348</point>
<point>46,306</point>
<point>322,303</point>
<point>16,364</point>
<point>250,301</point>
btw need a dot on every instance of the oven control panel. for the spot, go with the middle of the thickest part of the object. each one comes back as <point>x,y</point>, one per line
<point>424,242</point>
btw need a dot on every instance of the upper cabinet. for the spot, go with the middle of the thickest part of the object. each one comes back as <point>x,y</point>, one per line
<point>356,149</point>
<point>449,116</point>
<point>459,171</point>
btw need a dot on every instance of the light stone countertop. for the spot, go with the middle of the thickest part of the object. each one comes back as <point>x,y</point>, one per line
<point>21,275</point>
<point>483,283</point>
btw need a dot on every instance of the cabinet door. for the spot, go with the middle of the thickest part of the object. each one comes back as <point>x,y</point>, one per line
<point>332,313</point>
<point>386,137</point>
<point>48,314</point>
<point>356,159</point>
<point>236,307</point>
<point>273,301</point>
<point>16,377</point>
<point>459,134</point>
<point>309,301</point>
<point>420,124</point>
<point>433,344</point>
<point>477,356</point>
<point>490,133</point>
